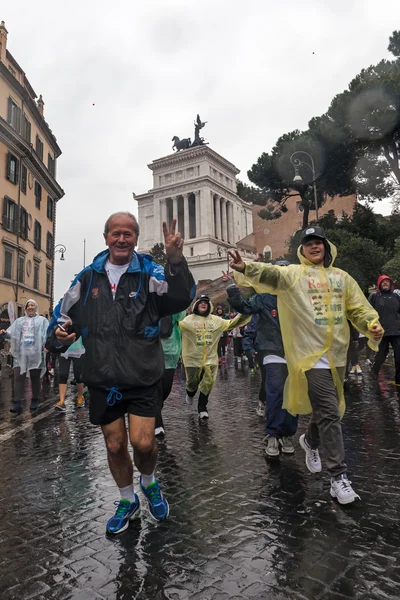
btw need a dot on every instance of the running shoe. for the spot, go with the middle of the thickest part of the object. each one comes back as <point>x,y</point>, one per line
<point>80,402</point>
<point>357,369</point>
<point>272,448</point>
<point>252,371</point>
<point>313,460</point>
<point>34,404</point>
<point>189,399</point>
<point>126,511</point>
<point>158,505</point>
<point>159,431</point>
<point>203,415</point>
<point>16,407</point>
<point>61,405</point>
<point>260,410</point>
<point>286,444</point>
<point>352,371</point>
<point>368,362</point>
<point>341,490</point>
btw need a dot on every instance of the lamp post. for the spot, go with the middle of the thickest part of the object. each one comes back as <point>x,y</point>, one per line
<point>297,162</point>
<point>61,249</point>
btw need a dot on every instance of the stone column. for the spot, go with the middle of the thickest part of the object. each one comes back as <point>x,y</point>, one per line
<point>224,224</point>
<point>218,233</point>
<point>198,217</point>
<point>163,214</point>
<point>186,229</point>
<point>231,227</point>
<point>175,208</point>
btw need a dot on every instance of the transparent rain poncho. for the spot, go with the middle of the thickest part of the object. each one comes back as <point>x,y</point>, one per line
<point>28,337</point>
<point>200,337</point>
<point>314,305</point>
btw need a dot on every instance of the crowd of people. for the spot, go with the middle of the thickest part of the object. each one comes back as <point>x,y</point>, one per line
<point>125,323</point>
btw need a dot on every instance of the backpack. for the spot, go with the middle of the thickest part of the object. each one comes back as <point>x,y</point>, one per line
<point>166,327</point>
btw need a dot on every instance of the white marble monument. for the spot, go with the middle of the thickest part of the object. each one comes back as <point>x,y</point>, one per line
<point>197,187</point>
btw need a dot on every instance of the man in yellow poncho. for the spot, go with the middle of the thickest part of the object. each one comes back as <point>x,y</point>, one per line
<point>201,332</point>
<point>315,302</point>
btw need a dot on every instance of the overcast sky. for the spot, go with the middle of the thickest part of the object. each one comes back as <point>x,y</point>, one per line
<point>254,70</point>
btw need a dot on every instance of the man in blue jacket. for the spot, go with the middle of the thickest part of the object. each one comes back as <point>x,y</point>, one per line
<point>116,304</point>
<point>280,425</point>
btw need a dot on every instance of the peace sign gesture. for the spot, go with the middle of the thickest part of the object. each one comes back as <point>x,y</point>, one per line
<point>173,243</point>
<point>237,264</point>
<point>226,276</point>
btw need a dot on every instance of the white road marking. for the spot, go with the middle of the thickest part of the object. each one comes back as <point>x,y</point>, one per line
<point>9,434</point>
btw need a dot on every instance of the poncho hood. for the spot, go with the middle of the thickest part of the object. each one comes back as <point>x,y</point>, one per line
<point>330,256</point>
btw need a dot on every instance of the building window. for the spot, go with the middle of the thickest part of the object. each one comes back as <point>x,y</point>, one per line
<point>14,115</point>
<point>39,147</point>
<point>36,276</point>
<point>51,164</point>
<point>49,245</point>
<point>24,177</point>
<point>23,223</point>
<point>38,235</point>
<point>50,208</point>
<point>38,194</point>
<point>12,168</point>
<point>26,129</point>
<point>11,70</point>
<point>8,264</point>
<point>21,269</point>
<point>10,215</point>
<point>48,282</point>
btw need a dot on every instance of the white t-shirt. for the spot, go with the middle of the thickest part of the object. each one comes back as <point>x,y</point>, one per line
<point>273,359</point>
<point>114,274</point>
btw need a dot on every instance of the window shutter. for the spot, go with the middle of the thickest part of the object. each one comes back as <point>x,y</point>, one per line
<point>16,171</point>
<point>10,105</point>
<point>8,166</point>
<point>18,119</point>
<point>5,218</point>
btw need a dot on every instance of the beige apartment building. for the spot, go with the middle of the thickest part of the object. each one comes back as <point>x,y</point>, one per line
<point>28,190</point>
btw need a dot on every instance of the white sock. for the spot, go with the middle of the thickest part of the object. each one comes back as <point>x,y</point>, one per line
<point>127,493</point>
<point>147,479</point>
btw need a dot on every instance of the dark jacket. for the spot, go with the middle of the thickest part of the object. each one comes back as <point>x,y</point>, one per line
<point>121,336</point>
<point>250,333</point>
<point>269,338</point>
<point>387,305</point>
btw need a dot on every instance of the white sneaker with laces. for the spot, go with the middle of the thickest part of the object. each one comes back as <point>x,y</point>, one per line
<point>313,461</point>
<point>358,369</point>
<point>272,448</point>
<point>352,371</point>
<point>286,444</point>
<point>341,490</point>
<point>159,431</point>
<point>260,410</point>
<point>203,415</point>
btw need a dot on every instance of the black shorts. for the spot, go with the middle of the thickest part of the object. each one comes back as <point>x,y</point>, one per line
<point>140,401</point>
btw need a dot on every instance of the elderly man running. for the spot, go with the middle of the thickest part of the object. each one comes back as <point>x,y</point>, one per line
<point>315,300</point>
<point>115,304</point>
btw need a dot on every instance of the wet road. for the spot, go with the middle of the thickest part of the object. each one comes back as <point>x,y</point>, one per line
<point>240,527</point>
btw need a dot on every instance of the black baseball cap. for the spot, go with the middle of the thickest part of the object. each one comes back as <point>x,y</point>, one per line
<point>312,232</point>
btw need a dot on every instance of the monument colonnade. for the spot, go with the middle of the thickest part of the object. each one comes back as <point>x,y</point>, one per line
<point>198,215</point>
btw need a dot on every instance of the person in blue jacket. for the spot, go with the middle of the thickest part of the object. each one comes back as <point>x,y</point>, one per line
<point>280,425</point>
<point>116,304</point>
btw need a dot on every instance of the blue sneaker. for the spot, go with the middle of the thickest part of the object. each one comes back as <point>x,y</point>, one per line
<point>126,511</point>
<point>158,505</point>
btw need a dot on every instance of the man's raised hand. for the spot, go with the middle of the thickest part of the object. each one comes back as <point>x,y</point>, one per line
<point>173,243</point>
<point>62,334</point>
<point>237,263</point>
<point>227,276</point>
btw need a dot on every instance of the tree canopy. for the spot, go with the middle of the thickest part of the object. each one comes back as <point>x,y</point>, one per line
<point>355,146</point>
<point>158,253</point>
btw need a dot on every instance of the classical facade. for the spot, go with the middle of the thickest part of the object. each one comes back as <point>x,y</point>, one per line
<point>28,190</point>
<point>196,186</point>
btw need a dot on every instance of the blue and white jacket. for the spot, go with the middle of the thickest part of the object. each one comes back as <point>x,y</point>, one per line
<point>121,336</point>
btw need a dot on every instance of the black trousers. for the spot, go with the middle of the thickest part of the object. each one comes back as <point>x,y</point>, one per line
<point>167,382</point>
<point>382,353</point>
<point>250,358</point>
<point>221,347</point>
<point>238,346</point>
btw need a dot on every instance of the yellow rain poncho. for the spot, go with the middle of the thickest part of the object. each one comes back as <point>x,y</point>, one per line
<point>200,336</point>
<point>314,304</point>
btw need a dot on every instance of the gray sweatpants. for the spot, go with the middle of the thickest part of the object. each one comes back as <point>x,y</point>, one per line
<point>324,427</point>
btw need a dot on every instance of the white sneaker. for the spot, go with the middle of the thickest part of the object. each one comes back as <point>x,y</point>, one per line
<point>313,460</point>
<point>368,362</point>
<point>286,445</point>
<point>352,371</point>
<point>260,410</point>
<point>159,431</point>
<point>272,448</point>
<point>341,490</point>
<point>203,415</point>
<point>358,369</point>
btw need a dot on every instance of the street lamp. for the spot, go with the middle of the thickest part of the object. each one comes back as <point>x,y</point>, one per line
<point>61,249</point>
<point>297,162</point>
